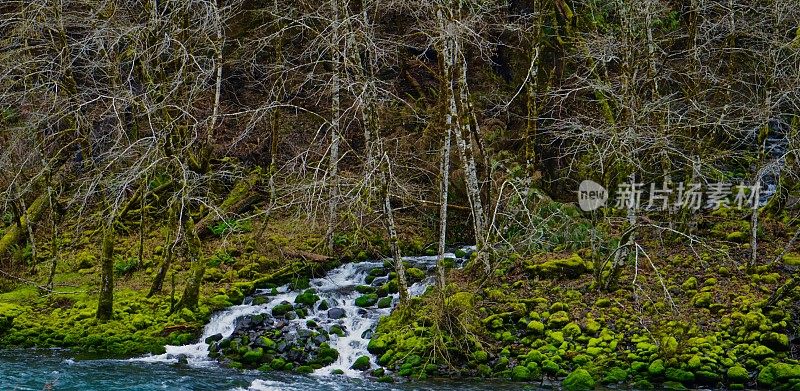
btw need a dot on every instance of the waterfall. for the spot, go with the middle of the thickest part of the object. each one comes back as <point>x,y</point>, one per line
<point>338,289</point>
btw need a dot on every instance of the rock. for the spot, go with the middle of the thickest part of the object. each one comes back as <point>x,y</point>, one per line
<point>361,364</point>
<point>615,375</point>
<point>282,308</point>
<point>738,374</point>
<point>385,302</point>
<point>415,275</point>
<point>304,333</point>
<point>323,305</point>
<point>367,300</point>
<point>578,380</point>
<point>367,334</point>
<point>307,298</point>
<point>319,339</point>
<point>558,320</point>
<point>253,356</point>
<point>656,368</point>
<point>571,267</point>
<point>213,338</point>
<point>291,315</point>
<point>775,341</point>
<point>536,327</point>
<point>702,300</point>
<point>336,313</point>
<point>520,373</point>
<point>679,375</point>
<point>183,359</point>
<point>778,373</point>
<point>364,289</point>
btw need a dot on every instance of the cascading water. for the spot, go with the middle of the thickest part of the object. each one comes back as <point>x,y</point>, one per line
<point>337,290</point>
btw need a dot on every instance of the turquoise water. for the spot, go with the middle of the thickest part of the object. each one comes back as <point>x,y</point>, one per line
<point>24,370</point>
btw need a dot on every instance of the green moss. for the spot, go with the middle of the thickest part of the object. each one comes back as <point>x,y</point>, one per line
<point>366,300</point>
<point>558,320</point>
<point>778,373</point>
<point>281,309</point>
<point>536,327</point>
<point>791,259</point>
<point>520,373</point>
<point>656,368</point>
<point>571,267</point>
<point>736,236</point>
<point>361,364</point>
<point>615,375</point>
<point>702,300</point>
<point>253,356</point>
<point>385,302</point>
<point>415,274</point>
<point>578,380</point>
<point>308,298</point>
<point>304,369</point>
<point>775,341</point>
<point>738,374</point>
<point>679,375</point>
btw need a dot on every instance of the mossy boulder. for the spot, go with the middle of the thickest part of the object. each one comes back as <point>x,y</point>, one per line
<point>385,302</point>
<point>366,300</point>
<point>520,373</point>
<point>778,373</point>
<point>414,274</point>
<point>308,298</point>
<point>578,380</point>
<point>792,259</point>
<point>775,341</point>
<point>702,300</point>
<point>615,375</point>
<point>281,309</point>
<point>738,374</point>
<point>253,356</point>
<point>558,320</point>
<point>361,364</point>
<point>571,267</point>
<point>656,368</point>
<point>536,327</point>
<point>679,375</point>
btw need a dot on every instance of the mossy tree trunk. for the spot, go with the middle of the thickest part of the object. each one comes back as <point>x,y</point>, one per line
<point>191,294</point>
<point>402,284</point>
<point>169,249</point>
<point>105,304</point>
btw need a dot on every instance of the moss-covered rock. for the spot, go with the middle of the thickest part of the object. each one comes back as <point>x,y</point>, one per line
<point>738,374</point>
<point>656,368</point>
<point>578,380</point>
<point>361,364</point>
<point>571,267</point>
<point>366,300</point>
<point>520,373</point>
<point>778,373</point>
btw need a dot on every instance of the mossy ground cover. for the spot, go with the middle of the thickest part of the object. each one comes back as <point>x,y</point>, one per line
<point>695,317</point>
<point>237,263</point>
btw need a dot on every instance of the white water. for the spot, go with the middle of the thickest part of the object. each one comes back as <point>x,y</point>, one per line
<point>338,289</point>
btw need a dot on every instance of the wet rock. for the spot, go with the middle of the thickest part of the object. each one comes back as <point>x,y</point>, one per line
<point>367,334</point>
<point>281,323</point>
<point>282,347</point>
<point>320,339</point>
<point>303,333</point>
<point>213,338</point>
<point>291,315</point>
<point>183,359</point>
<point>336,313</point>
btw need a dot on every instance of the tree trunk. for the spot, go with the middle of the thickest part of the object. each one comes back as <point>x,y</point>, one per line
<point>169,249</point>
<point>191,294</point>
<point>333,163</point>
<point>14,233</point>
<point>105,304</point>
<point>402,284</point>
